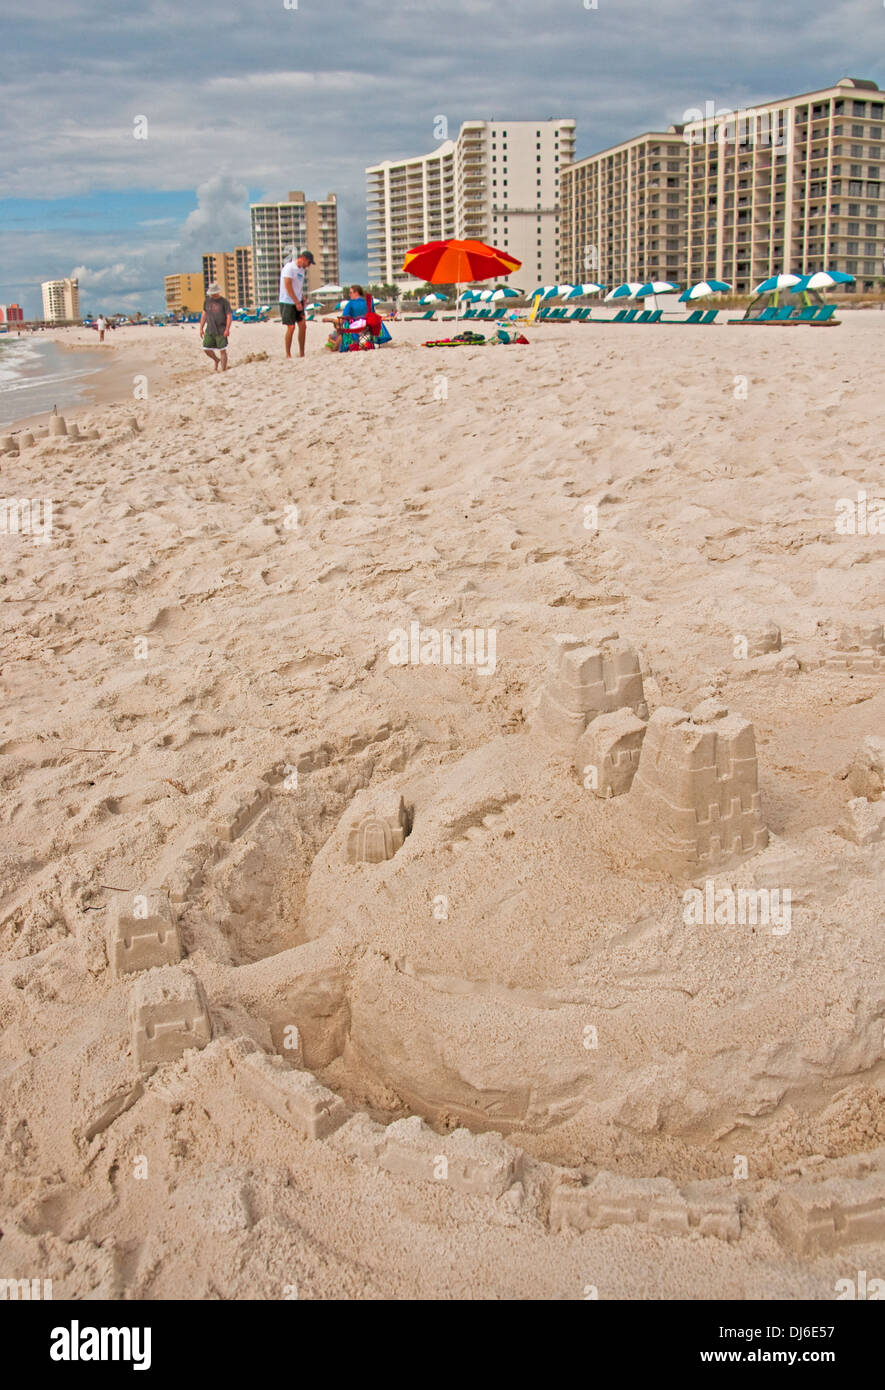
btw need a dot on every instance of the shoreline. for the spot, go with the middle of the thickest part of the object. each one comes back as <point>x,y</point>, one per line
<point>111,384</point>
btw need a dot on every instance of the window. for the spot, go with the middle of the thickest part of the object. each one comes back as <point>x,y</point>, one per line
<point>854,229</point>
<point>852,248</point>
<point>857,151</point>
<point>857,131</point>
<point>872,210</point>
<point>859,108</point>
<point>854,209</point>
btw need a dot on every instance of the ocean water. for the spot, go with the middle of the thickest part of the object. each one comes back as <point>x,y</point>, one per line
<point>35,375</point>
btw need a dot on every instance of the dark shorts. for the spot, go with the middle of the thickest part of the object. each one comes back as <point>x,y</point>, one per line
<point>214,341</point>
<point>289,314</point>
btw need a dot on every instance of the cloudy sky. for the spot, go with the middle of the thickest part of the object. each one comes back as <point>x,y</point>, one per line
<point>245,101</point>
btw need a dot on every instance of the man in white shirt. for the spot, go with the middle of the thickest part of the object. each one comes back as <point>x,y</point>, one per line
<point>292,299</point>
<point>101,324</point>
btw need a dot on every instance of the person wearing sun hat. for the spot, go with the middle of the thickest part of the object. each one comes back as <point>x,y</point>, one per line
<point>215,322</point>
<point>292,297</point>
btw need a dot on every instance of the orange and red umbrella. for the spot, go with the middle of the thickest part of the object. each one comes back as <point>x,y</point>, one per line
<point>456,262</point>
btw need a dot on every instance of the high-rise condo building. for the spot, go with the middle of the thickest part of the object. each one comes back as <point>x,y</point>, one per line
<point>299,224</point>
<point>498,182</point>
<point>793,185</point>
<point>61,300</point>
<point>624,212</point>
<point>232,270</point>
<point>185,293</point>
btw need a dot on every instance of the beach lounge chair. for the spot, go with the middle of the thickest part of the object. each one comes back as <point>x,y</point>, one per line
<point>765,317</point>
<point>656,316</point>
<point>807,314</point>
<point>420,318</point>
<point>783,315</point>
<point>619,316</point>
<point>643,317</point>
<point>694,317</point>
<point>825,315</point>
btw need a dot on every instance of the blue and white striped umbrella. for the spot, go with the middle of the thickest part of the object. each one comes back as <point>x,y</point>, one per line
<point>655,287</point>
<point>503,292</point>
<point>702,288</point>
<point>434,299</point>
<point>784,281</point>
<point>628,290</point>
<point>579,291</point>
<point>468,296</point>
<point>823,280</point>
<point>544,291</point>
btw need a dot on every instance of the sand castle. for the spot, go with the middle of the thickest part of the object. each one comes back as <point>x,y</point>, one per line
<point>607,754</point>
<point>168,1015</point>
<point>696,787</point>
<point>380,826</point>
<point>859,648</point>
<point>589,676</point>
<point>142,933</point>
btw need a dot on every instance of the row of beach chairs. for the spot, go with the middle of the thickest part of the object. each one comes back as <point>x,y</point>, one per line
<point>569,314</point>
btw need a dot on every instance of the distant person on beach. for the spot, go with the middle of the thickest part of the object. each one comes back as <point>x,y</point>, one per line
<point>215,322</point>
<point>101,324</point>
<point>292,299</point>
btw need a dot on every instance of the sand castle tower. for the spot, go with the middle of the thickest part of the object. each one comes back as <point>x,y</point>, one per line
<point>696,787</point>
<point>380,825</point>
<point>589,676</point>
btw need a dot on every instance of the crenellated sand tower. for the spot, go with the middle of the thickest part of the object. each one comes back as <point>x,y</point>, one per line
<point>696,787</point>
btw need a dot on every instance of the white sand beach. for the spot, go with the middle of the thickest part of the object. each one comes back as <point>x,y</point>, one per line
<point>534,1077</point>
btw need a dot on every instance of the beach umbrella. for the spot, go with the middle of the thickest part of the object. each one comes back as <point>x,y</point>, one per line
<point>458,262</point>
<point>330,289</point>
<point>503,292</point>
<point>823,280</point>
<point>653,287</point>
<point>579,291</point>
<point>784,281</point>
<point>702,288</point>
<point>434,299</point>
<point>628,290</point>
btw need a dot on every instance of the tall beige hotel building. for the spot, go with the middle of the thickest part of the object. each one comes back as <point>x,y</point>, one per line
<point>794,184</point>
<point>498,182</point>
<point>298,223</point>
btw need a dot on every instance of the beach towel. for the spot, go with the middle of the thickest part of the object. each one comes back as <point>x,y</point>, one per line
<point>469,339</point>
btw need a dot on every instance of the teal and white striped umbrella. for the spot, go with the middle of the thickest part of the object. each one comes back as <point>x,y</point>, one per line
<point>628,290</point>
<point>546,292</point>
<point>785,281</point>
<point>702,288</point>
<point>823,280</point>
<point>655,287</point>
<point>434,299</point>
<point>580,291</point>
<point>468,296</point>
